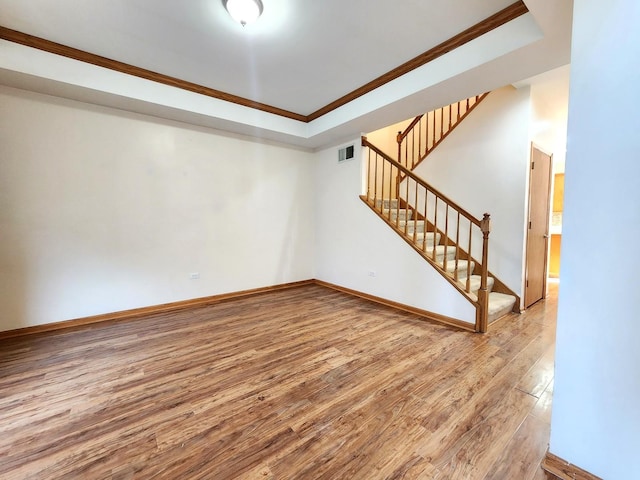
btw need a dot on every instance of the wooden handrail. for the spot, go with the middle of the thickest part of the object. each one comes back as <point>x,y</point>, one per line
<point>402,135</point>
<point>425,132</point>
<point>445,237</point>
<point>421,182</point>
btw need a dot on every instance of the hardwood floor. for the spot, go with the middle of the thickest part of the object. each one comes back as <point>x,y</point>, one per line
<point>305,383</point>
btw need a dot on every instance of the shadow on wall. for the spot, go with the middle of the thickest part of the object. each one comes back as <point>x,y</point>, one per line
<point>14,281</point>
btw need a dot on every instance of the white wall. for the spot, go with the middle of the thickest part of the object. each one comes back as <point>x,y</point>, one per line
<point>596,410</point>
<point>550,109</point>
<point>483,166</point>
<point>386,138</point>
<point>102,210</point>
<point>351,241</point>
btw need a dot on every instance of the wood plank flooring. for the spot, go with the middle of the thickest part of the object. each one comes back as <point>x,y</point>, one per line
<point>306,383</point>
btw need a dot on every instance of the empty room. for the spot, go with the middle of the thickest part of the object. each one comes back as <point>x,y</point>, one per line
<point>277,239</point>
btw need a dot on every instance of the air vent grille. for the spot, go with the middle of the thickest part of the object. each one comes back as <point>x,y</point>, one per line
<point>345,153</point>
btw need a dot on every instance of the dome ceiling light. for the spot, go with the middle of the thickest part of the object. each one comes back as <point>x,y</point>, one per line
<point>243,11</point>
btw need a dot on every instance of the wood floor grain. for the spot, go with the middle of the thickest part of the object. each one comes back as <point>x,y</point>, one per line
<point>306,383</point>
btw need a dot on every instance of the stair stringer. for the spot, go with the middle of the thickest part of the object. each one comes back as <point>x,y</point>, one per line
<point>426,257</point>
<point>498,285</point>
<point>463,314</point>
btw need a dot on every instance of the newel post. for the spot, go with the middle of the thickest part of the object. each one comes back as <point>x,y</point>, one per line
<point>482,323</point>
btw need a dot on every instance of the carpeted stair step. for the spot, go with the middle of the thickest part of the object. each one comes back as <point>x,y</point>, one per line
<point>464,266</point>
<point>430,240</point>
<point>386,203</point>
<point>402,214</point>
<point>474,283</point>
<point>418,225</point>
<point>499,305</point>
<point>440,253</point>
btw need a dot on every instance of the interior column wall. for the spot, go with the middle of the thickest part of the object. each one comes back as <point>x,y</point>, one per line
<point>596,419</point>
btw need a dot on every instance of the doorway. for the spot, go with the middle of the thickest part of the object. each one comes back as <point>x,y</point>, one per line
<point>538,226</point>
<point>556,226</point>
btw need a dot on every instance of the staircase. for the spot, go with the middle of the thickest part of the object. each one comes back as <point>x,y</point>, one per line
<point>427,131</point>
<point>448,237</point>
<point>446,257</point>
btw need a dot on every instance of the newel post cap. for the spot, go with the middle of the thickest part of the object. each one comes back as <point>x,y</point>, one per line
<point>485,223</point>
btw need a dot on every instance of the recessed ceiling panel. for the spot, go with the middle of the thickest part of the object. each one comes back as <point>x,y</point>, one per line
<point>299,56</point>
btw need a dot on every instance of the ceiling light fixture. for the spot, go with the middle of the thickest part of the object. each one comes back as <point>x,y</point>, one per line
<point>243,11</point>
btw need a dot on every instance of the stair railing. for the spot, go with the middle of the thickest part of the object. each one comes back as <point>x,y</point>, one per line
<point>426,131</point>
<point>459,230</point>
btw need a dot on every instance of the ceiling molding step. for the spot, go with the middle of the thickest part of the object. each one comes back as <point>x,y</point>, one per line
<point>485,26</point>
<point>512,12</point>
<point>86,57</point>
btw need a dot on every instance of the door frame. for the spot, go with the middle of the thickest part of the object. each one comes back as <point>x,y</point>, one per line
<point>547,236</point>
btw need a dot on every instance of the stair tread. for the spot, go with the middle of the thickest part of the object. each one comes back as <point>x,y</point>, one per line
<point>386,201</point>
<point>442,248</point>
<point>500,304</point>
<point>411,225</point>
<point>499,301</point>
<point>462,265</point>
<point>440,252</point>
<point>474,283</point>
<point>394,214</point>
<point>429,235</point>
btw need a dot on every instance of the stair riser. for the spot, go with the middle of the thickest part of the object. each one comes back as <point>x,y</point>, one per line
<point>474,285</point>
<point>426,246</point>
<point>411,226</point>
<point>462,273</point>
<point>499,305</point>
<point>451,256</point>
<point>399,214</point>
<point>463,268</point>
<point>430,238</point>
<point>385,203</point>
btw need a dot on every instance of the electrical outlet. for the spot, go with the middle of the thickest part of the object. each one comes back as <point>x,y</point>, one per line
<point>194,275</point>
<point>372,273</point>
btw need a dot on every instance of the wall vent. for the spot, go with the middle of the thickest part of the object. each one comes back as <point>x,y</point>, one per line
<point>345,153</point>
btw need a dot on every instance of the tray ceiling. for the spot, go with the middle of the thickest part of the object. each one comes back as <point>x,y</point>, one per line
<point>300,56</point>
